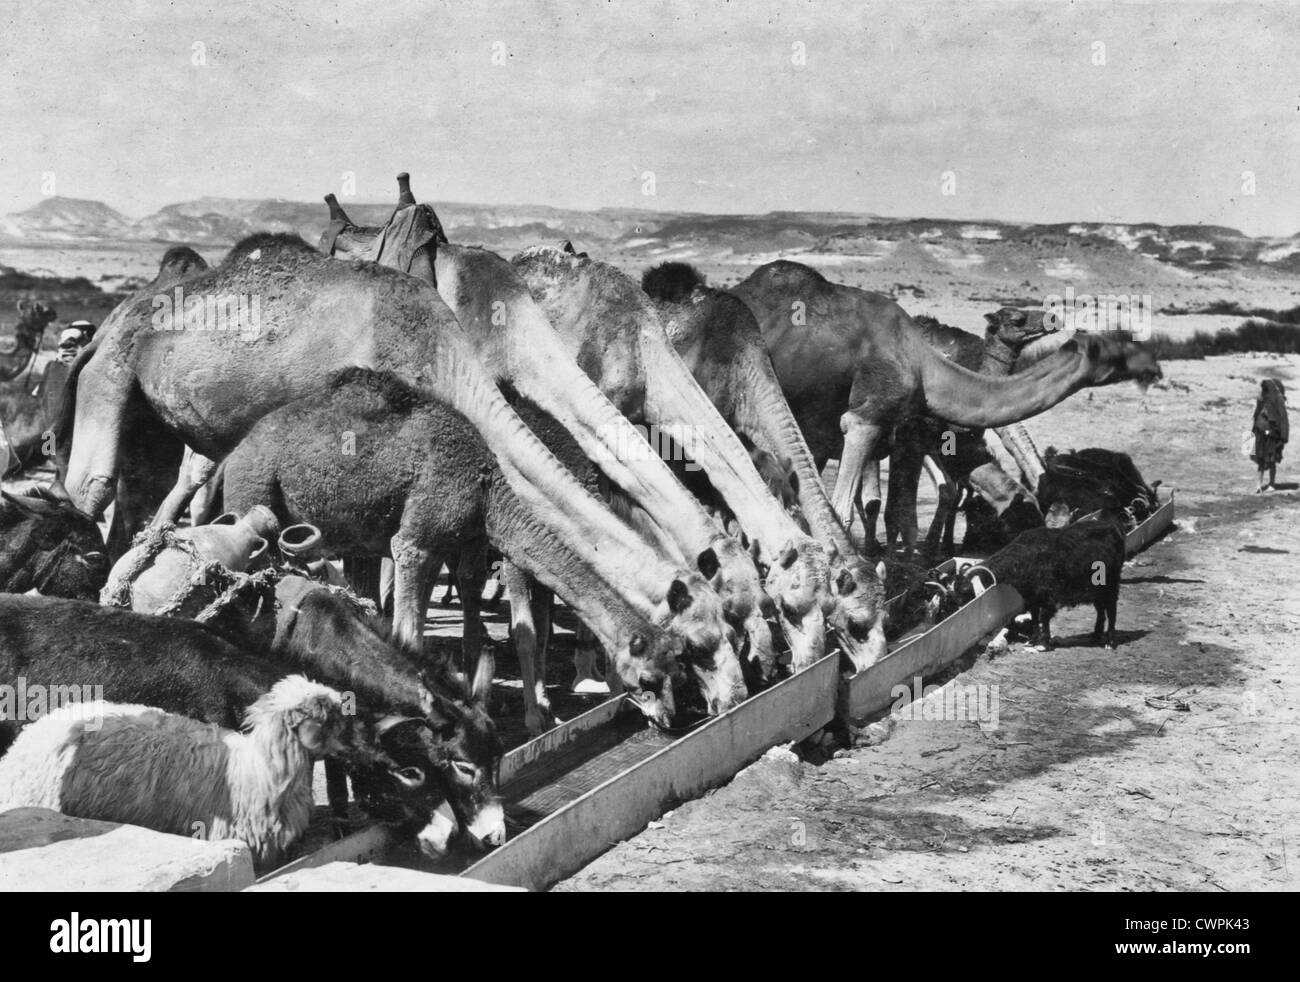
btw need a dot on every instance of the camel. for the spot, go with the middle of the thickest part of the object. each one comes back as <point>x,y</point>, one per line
<point>523,350</point>
<point>614,332</point>
<point>854,368</point>
<point>717,338</point>
<point>952,461</point>
<point>24,416</point>
<point>207,388</point>
<point>422,478</point>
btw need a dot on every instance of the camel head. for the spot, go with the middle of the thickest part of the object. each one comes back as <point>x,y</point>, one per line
<point>177,263</point>
<point>650,670</point>
<point>747,608</point>
<point>797,581</point>
<point>672,282</point>
<point>1015,328</point>
<point>648,665</point>
<point>693,612</point>
<point>32,318</point>
<point>1116,357</point>
<point>856,612</point>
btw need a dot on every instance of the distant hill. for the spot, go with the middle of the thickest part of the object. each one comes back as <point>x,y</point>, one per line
<point>1031,254</point>
<point>66,219</point>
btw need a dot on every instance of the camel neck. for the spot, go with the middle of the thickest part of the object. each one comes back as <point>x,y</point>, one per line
<point>765,417</point>
<point>609,604</point>
<point>675,401</point>
<point>969,399</point>
<point>999,357</point>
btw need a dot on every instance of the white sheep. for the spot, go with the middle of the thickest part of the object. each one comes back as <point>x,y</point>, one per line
<point>144,766</point>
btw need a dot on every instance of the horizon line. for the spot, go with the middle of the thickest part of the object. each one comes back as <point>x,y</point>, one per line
<point>709,214</point>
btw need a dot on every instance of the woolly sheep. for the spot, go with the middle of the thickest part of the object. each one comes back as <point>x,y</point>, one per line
<point>143,766</point>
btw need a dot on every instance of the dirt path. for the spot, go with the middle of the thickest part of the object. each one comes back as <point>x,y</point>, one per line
<point>1081,784</point>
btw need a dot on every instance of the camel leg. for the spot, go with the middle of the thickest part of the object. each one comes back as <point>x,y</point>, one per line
<point>414,569</point>
<point>449,595</point>
<point>945,516</point>
<point>478,658</point>
<point>540,601</point>
<point>585,648</point>
<point>362,574</point>
<point>150,456</point>
<point>384,597</point>
<point>857,484</point>
<point>900,504</point>
<point>90,469</point>
<point>207,501</point>
<point>950,525</point>
<point>867,506</point>
<point>195,471</point>
<point>493,593</point>
<point>529,625</point>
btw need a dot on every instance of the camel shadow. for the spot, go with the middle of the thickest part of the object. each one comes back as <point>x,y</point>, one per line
<point>1159,579</point>
<point>1286,487</point>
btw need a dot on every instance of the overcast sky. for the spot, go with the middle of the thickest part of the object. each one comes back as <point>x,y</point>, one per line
<point>708,96</point>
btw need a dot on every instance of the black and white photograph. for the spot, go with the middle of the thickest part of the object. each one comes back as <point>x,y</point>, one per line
<point>673,446</point>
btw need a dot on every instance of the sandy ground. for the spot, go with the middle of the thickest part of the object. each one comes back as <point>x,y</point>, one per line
<point>1091,778</point>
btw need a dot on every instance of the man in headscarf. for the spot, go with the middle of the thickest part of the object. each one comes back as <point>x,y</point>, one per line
<point>74,337</point>
<point>1271,430</point>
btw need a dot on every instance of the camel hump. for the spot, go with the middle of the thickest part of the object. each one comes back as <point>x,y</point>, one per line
<point>788,272</point>
<point>267,244</point>
<point>179,262</point>
<point>671,281</point>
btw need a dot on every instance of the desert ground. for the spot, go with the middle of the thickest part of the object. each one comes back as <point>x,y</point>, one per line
<point>1167,764</point>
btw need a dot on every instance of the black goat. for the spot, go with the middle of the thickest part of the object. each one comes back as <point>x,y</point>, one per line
<point>1055,568</point>
<point>1095,479</point>
<point>914,593</point>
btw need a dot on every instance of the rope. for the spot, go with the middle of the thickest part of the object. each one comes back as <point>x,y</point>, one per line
<point>207,573</point>
<point>145,548</point>
<point>231,586</point>
<point>262,583</point>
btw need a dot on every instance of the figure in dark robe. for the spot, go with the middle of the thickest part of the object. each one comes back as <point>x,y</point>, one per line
<point>1271,431</point>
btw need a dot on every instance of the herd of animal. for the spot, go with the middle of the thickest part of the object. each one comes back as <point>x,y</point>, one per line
<point>405,403</point>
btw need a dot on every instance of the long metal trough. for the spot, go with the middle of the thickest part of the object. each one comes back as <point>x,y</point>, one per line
<point>579,830</point>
